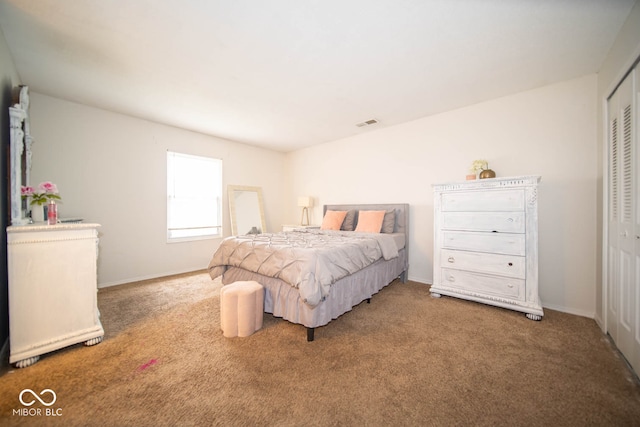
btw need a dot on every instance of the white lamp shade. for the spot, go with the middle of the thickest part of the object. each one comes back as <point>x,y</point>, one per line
<point>305,202</point>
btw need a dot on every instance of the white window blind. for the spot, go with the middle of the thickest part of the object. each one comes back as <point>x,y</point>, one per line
<point>194,197</point>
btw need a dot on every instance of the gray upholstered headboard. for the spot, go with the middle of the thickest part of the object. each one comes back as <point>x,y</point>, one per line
<point>401,225</point>
<point>402,214</point>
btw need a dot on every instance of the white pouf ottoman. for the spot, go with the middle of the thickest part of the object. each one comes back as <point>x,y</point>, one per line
<point>241,308</point>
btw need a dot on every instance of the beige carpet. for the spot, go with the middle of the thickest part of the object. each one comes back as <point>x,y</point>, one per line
<point>404,359</point>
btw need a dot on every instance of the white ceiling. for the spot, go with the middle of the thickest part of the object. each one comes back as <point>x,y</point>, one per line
<point>286,74</point>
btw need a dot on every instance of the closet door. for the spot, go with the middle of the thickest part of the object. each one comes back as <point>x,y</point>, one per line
<point>613,261</point>
<point>623,281</point>
<point>632,353</point>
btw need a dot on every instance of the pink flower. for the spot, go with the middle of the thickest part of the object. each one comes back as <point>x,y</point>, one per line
<point>46,191</point>
<point>27,191</point>
<point>48,187</point>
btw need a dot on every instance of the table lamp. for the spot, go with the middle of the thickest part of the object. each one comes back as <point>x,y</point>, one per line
<point>305,202</point>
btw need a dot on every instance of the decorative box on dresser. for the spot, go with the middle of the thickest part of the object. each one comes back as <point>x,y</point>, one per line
<point>52,289</point>
<point>486,242</point>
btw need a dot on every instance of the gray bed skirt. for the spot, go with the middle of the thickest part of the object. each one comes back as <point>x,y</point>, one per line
<point>283,300</point>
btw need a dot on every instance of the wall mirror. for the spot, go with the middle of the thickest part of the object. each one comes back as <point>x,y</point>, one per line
<point>246,210</point>
<point>20,154</point>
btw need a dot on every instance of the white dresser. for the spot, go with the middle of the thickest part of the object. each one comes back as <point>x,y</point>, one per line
<point>486,242</point>
<point>52,289</point>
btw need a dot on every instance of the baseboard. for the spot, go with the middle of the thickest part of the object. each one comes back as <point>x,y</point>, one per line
<point>420,280</point>
<point>150,277</point>
<point>590,315</point>
<point>600,323</point>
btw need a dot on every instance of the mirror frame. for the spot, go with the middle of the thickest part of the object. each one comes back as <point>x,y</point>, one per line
<point>231,190</point>
<point>20,154</point>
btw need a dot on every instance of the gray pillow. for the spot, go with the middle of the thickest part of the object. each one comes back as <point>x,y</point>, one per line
<point>349,223</point>
<point>389,221</point>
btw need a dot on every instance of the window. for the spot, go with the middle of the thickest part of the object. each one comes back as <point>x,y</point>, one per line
<point>194,197</point>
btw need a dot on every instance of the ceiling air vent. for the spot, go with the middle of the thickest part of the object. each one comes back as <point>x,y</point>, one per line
<point>367,123</point>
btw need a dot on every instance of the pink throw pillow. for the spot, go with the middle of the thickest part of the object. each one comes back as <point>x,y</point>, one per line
<point>333,220</point>
<point>370,221</point>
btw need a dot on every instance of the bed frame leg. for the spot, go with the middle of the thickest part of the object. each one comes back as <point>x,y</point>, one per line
<point>310,332</point>
<point>403,276</point>
<point>368,300</point>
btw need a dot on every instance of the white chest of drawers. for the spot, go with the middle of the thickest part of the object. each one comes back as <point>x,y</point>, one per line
<point>52,289</point>
<point>486,242</point>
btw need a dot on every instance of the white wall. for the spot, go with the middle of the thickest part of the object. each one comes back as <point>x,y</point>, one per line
<point>108,167</point>
<point>550,131</point>
<point>624,52</point>
<point>111,169</point>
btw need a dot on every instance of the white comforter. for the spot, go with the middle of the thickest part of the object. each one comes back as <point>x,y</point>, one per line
<point>310,260</point>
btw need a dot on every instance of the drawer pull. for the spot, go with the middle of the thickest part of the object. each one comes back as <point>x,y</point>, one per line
<point>451,278</point>
<point>510,264</point>
<point>510,219</point>
<point>509,285</point>
<point>451,259</point>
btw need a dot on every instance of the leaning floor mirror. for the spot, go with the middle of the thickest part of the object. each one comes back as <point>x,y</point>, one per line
<point>246,210</point>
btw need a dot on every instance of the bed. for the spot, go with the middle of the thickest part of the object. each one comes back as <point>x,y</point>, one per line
<point>302,270</point>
